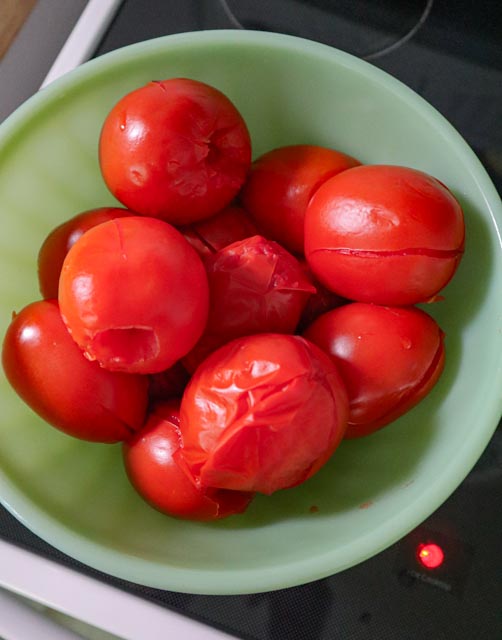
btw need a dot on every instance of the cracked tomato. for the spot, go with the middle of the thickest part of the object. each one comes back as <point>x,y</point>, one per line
<point>384,234</point>
<point>226,227</point>
<point>262,413</point>
<point>134,295</point>
<point>177,150</point>
<point>255,286</point>
<point>152,465</point>
<point>61,239</point>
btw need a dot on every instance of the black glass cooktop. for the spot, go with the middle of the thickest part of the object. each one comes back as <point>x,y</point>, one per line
<point>444,580</point>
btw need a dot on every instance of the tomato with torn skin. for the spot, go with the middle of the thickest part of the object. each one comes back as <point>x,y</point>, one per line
<point>226,227</point>
<point>176,149</point>
<point>385,234</point>
<point>151,462</point>
<point>134,295</point>
<point>262,413</point>
<point>255,286</point>
<point>49,372</point>
<point>281,183</point>
<point>389,357</point>
<point>61,239</point>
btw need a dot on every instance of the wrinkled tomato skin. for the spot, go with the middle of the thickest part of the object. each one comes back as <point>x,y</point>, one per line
<point>60,240</point>
<point>134,295</point>
<point>280,185</point>
<point>255,286</point>
<point>262,413</point>
<point>177,149</point>
<point>152,468</point>
<point>389,358</point>
<point>208,236</point>
<point>49,372</point>
<point>384,234</point>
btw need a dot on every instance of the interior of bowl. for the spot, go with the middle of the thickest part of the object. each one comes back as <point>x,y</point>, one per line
<point>75,494</point>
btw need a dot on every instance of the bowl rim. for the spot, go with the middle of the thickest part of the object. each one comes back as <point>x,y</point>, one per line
<point>251,580</point>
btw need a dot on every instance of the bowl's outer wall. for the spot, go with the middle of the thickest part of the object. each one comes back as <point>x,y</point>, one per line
<point>75,494</point>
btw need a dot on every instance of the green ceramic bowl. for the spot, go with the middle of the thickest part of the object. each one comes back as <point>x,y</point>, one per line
<point>75,495</point>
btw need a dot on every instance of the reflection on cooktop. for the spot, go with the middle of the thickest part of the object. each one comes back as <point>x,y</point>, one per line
<point>359,27</point>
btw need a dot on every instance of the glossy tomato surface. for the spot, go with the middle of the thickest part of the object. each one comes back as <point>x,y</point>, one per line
<point>134,294</point>
<point>215,233</point>
<point>255,286</point>
<point>177,149</point>
<point>280,185</point>
<point>384,234</point>
<point>151,462</point>
<point>262,413</point>
<point>60,240</point>
<point>49,372</point>
<point>389,358</point>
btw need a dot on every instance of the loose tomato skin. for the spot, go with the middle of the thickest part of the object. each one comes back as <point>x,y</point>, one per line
<point>134,295</point>
<point>151,464</point>
<point>49,372</point>
<point>389,358</point>
<point>280,185</point>
<point>262,413</point>
<point>384,234</point>
<point>226,227</point>
<point>255,286</point>
<point>60,240</point>
<point>176,149</point>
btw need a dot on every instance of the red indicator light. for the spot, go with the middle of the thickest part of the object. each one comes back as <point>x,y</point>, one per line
<point>430,555</point>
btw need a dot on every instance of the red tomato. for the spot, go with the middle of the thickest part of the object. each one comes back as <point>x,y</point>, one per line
<point>49,372</point>
<point>229,226</point>
<point>262,413</point>
<point>150,459</point>
<point>168,384</point>
<point>176,149</point>
<point>384,234</point>
<point>255,286</point>
<point>280,185</point>
<point>389,358</point>
<point>134,295</point>
<point>57,244</point>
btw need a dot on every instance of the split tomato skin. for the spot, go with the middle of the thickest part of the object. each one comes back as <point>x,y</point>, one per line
<point>262,413</point>
<point>281,184</point>
<point>176,149</point>
<point>61,239</point>
<point>151,462</point>
<point>49,372</point>
<point>389,357</point>
<point>255,286</point>
<point>134,295</point>
<point>384,234</point>
<point>208,236</point>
